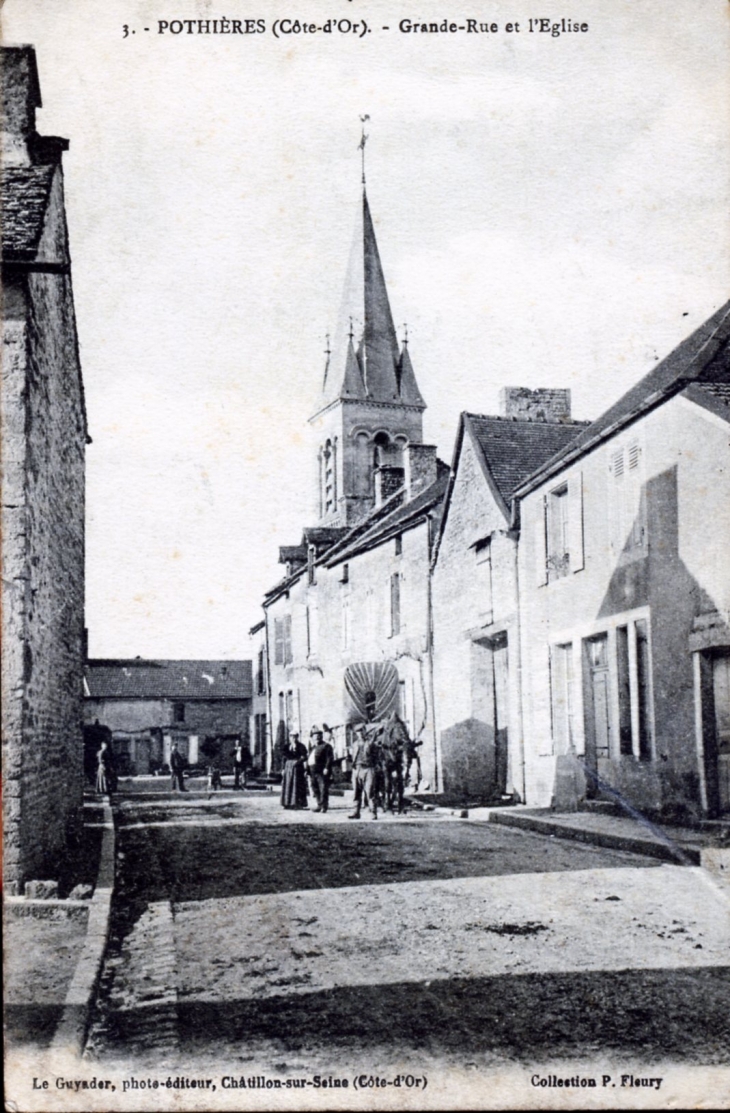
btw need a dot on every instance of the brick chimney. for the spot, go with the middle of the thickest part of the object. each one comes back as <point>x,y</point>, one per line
<point>388,480</point>
<point>21,95</point>
<point>551,405</point>
<point>420,467</point>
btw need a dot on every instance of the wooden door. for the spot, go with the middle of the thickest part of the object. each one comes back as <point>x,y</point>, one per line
<point>721,694</point>
<point>598,710</point>
<point>501,713</point>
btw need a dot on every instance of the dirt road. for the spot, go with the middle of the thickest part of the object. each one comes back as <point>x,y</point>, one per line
<point>248,935</point>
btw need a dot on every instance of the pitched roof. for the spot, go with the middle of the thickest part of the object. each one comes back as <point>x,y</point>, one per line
<point>514,449</point>
<point>704,357</point>
<point>365,363</point>
<point>176,680</point>
<point>391,518</point>
<point>25,193</point>
<point>714,396</point>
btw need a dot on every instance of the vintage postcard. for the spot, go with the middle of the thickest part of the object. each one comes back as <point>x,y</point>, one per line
<point>366,520</point>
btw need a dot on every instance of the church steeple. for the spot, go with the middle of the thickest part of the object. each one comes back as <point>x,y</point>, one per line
<point>370,408</point>
<point>365,329</point>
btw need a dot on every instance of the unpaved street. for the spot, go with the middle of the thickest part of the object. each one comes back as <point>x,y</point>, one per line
<point>248,935</point>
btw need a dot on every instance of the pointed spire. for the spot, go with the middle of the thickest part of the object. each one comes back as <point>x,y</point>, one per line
<point>366,333</point>
<point>410,395</point>
<point>352,384</point>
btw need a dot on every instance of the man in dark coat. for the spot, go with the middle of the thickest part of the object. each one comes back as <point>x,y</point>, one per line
<point>365,766</point>
<point>320,762</point>
<point>177,764</point>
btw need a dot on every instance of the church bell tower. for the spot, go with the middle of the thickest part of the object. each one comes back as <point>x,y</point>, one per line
<point>370,407</point>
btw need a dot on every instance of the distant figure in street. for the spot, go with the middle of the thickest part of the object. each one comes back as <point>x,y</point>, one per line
<point>319,765</point>
<point>214,778</point>
<point>177,764</point>
<point>105,773</point>
<point>365,767</point>
<point>294,783</point>
<point>239,765</point>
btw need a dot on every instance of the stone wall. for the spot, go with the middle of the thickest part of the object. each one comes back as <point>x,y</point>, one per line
<point>43,568</point>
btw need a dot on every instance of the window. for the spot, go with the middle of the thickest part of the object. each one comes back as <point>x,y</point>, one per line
<point>643,684</point>
<point>395,604</point>
<point>328,475</point>
<point>178,712</point>
<point>311,618</point>
<point>558,542</point>
<point>260,734</point>
<point>345,578</point>
<point>260,673</point>
<point>282,640</point>
<point>622,657</point>
<point>399,544</point>
<point>627,511</point>
<point>563,698</point>
<point>483,559</point>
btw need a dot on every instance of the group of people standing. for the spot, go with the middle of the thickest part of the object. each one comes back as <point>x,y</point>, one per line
<point>315,764</point>
<point>382,757</point>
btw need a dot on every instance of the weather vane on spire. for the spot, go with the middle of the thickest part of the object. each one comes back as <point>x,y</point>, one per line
<point>361,144</point>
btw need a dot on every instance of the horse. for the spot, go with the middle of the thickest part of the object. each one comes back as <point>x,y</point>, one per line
<point>394,745</point>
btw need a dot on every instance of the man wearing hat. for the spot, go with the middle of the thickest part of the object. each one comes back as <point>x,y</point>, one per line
<point>320,762</point>
<point>365,763</point>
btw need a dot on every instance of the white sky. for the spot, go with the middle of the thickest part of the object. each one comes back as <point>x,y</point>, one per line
<point>550,211</point>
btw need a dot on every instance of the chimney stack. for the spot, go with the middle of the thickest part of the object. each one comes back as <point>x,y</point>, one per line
<point>388,480</point>
<point>421,467</point>
<point>21,95</point>
<point>548,404</point>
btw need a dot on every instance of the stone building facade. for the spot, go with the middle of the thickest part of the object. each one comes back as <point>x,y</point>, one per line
<point>148,705</point>
<point>44,435</point>
<point>476,637</point>
<point>625,597</point>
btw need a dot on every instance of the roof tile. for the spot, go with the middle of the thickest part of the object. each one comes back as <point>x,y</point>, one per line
<point>136,678</point>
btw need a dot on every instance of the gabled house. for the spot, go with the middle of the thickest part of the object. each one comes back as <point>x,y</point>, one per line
<point>202,706</point>
<point>624,581</point>
<point>476,648</point>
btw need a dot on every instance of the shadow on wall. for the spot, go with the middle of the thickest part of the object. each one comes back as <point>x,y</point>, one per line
<point>471,760</point>
<point>650,572</point>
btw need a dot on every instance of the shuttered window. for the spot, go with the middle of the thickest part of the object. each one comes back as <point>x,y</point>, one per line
<point>282,640</point>
<point>627,509</point>
<point>559,539</point>
<point>395,604</point>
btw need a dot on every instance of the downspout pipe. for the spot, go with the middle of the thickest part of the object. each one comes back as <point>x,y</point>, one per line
<point>429,651</point>
<point>270,725</point>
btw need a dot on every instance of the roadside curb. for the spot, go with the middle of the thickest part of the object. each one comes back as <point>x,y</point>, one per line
<point>70,1035</point>
<point>665,851</point>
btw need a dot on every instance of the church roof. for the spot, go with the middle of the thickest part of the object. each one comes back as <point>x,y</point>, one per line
<point>365,362</point>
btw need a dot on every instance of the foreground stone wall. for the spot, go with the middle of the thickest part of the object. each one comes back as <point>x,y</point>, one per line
<point>43,568</point>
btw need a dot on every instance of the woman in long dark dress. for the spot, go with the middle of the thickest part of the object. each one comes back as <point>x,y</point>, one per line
<point>294,783</point>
